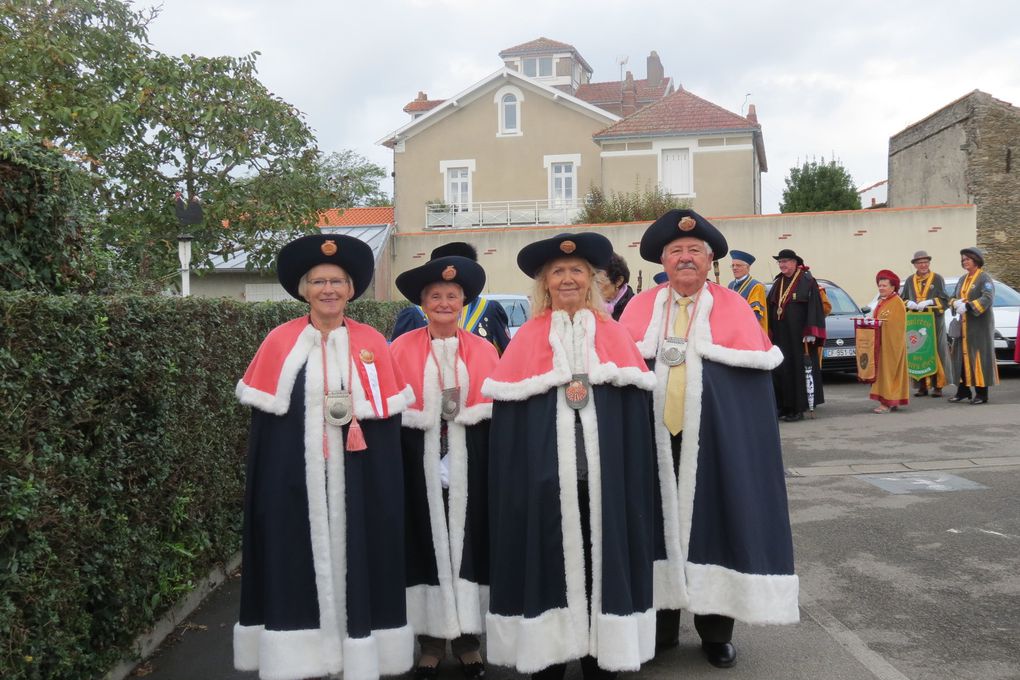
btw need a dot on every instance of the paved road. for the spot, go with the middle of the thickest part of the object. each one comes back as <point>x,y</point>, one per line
<point>907,534</point>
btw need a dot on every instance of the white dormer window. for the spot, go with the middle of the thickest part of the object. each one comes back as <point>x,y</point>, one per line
<point>541,67</point>
<point>508,109</point>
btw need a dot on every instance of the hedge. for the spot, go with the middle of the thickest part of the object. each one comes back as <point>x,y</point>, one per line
<point>121,465</point>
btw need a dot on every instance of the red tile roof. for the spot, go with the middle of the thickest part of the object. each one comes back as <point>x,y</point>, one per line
<point>537,45</point>
<point>680,112</point>
<point>543,46</point>
<point>418,105</point>
<point>354,217</point>
<point>611,92</point>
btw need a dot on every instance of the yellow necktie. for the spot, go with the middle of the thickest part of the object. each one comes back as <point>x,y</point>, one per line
<point>676,383</point>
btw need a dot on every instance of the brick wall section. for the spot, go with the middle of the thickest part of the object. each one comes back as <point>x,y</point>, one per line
<point>993,138</point>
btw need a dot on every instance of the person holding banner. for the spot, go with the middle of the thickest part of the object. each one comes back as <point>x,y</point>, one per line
<point>922,291</point>
<point>974,351</point>
<point>891,388</point>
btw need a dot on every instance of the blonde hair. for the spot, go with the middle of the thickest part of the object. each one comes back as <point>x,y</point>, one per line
<point>542,301</point>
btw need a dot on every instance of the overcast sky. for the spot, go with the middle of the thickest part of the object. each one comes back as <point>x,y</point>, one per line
<point>826,77</point>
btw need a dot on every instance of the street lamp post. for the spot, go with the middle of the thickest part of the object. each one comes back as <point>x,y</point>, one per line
<point>184,253</point>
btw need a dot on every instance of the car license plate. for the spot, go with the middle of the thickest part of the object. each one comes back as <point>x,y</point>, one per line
<point>839,352</point>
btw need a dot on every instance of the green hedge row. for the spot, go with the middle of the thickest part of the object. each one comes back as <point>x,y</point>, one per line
<point>121,465</point>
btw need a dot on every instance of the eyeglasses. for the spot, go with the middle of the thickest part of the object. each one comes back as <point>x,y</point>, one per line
<point>322,283</point>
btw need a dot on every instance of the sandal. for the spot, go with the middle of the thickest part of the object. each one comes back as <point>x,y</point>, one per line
<point>472,670</point>
<point>880,409</point>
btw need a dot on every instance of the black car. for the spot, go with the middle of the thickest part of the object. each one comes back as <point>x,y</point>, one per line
<point>840,350</point>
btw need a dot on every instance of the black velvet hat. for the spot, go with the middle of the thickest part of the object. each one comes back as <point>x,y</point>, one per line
<point>352,255</point>
<point>461,248</point>
<point>465,272</point>
<point>586,245</point>
<point>787,254</point>
<point>976,254</point>
<point>676,224</point>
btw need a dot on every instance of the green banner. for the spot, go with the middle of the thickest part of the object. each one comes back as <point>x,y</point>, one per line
<point>921,351</point>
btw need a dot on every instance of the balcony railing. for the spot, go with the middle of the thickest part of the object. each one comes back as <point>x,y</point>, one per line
<point>500,214</point>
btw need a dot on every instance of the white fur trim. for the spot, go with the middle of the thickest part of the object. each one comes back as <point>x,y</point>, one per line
<point>285,654</point>
<point>361,658</point>
<point>570,522</point>
<point>326,510</point>
<point>400,401</point>
<point>396,650</point>
<point>531,644</point>
<point>649,344</point>
<point>751,598</point>
<point>472,603</point>
<point>279,403</point>
<point>625,642</point>
<point>599,373</point>
<point>246,647</point>
<point>472,415</point>
<point>590,434</point>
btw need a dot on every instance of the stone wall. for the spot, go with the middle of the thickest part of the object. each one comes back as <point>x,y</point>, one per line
<point>993,148</point>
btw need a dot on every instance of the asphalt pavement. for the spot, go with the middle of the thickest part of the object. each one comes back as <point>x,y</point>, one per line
<point>906,529</point>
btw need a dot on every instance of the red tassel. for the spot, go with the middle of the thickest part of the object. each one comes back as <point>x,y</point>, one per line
<point>355,437</point>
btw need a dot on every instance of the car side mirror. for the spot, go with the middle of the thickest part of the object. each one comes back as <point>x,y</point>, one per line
<point>865,310</point>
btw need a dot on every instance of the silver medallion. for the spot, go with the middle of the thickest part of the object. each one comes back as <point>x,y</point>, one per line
<point>577,391</point>
<point>673,351</point>
<point>449,403</point>
<point>339,407</point>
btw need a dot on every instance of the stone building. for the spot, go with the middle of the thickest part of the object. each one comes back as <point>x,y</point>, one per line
<point>966,152</point>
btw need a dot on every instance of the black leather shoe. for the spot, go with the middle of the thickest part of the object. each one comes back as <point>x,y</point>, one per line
<point>794,417</point>
<point>426,672</point>
<point>921,393</point>
<point>663,645</point>
<point>957,400</point>
<point>720,654</point>
<point>473,671</point>
<point>978,400</point>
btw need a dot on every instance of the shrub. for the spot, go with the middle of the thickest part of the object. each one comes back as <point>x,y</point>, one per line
<point>636,206</point>
<point>121,464</point>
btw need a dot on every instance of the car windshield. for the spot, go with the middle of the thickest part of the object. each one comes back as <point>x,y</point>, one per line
<point>1004,295</point>
<point>840,300</point>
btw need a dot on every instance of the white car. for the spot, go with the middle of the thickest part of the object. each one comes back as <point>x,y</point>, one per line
<point>518,308</point>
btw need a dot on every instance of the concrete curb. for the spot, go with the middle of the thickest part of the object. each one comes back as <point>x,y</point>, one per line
<point>147,643</point>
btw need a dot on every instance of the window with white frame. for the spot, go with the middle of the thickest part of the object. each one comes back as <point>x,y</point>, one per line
<point>458,188</point>
<point>541,67</point>
<point>508,100</point>
<point>561,193</point>
<point>676,171</point>
<point>510,110</point>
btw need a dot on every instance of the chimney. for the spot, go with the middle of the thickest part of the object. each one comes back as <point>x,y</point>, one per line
<point>653,70</point>
<point>422,97</point>
<point>629,101</point>
<point>752,115</point>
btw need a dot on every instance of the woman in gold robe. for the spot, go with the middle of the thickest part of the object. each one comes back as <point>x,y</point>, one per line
<point>892,387</point>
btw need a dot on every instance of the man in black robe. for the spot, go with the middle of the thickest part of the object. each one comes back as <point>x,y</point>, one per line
<point>797,327</point>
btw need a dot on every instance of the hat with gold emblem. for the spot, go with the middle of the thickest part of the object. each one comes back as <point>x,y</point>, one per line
<point>466,273</point>
<point>680,223</point>
<point>587,245</point>
<point>352,255</point>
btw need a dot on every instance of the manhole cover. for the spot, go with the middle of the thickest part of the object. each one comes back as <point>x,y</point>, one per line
<point>916,482</point>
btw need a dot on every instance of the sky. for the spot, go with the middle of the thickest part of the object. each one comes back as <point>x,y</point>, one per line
<point>828,79</point>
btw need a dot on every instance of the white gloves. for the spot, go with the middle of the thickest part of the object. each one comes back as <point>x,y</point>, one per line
<point>809,338</point>
<point>913,306</point>
<point>960,306</point>
<point>924,304</point>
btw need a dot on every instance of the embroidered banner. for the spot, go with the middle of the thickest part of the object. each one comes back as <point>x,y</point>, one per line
<point>921,354</point>
<point>867,337</point>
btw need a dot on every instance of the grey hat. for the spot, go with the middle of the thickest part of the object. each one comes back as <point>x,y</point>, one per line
<point>920,255</point>
<point>975,254</point>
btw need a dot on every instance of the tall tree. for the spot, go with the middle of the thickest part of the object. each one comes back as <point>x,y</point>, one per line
<point>81,74</point>
<point>819,186</point>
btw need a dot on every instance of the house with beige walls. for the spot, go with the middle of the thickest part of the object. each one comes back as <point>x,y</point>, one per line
<point>523,146</point>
